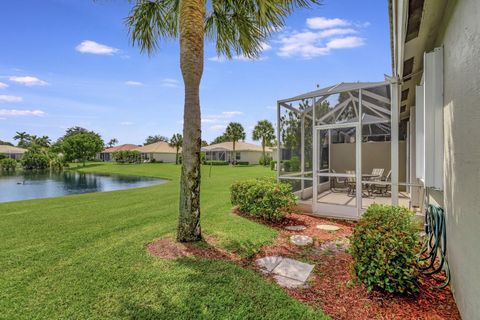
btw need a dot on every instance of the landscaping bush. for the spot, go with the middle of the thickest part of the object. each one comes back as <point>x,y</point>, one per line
<point>127,156</point>
<point>263,198</point>
<point>384,245</point>
<point>272,164</point>
<point>242,163</point>
<point>295,164</point>
<point>216,163</point>
<point>265,161</point>
<point>33,160</point>
<point>8,165</point>
<point>3,156</point>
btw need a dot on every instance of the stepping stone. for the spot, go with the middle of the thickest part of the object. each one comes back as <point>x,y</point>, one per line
<point>288,282</point>
<point>327,227</point>
<point>295,228</point>
<point>293,269</point>
<point>300,240</point>
<point>337,245</point>
<point>269,263</point>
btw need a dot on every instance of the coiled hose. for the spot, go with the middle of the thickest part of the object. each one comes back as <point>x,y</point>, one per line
<point>435,245</point>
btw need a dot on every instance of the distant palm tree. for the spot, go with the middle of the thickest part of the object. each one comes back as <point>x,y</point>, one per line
<point>176,142</point>
<point>264,131</point>
<point>237,28</point>
<point>112,142</point>
<point>235,132</point>
<point>23,139</point>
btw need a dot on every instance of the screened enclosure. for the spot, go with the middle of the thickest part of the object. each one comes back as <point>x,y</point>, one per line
<point>344,147</point>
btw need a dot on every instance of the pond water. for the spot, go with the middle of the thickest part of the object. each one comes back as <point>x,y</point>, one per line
<point>24,186</point>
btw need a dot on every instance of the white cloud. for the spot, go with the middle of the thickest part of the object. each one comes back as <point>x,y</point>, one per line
<point>28,81</point>
<point>325,23</point>
<point>21,113</point>
<point>323,36</point>
<point>222,117</point>
<point>170,83</point>
<point>3,85</point>
<point>89,46</point>
<point>10,99</point>
<point>126,123</point>
<point>218,127</point>
<point>133,83</point>
<point>348,42</point>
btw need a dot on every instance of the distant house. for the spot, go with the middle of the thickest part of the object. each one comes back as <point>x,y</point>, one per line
<point>158,151</point>
<point>248,152</point>
<point>106,155</point>
<point>12,152</point>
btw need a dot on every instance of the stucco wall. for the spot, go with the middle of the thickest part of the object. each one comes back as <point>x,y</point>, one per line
<point>460,38</point>
<point>251,156</point>
<point>374,155</point>
<point>165,157</point>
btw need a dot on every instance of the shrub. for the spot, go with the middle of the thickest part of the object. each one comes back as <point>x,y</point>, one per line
<point>32,160</point>
<point>57,163</point>
<point>384,246</point>
<point>3,156</point>
<point>127,156</point>
<point>8,165</point>
<point>272,164</point>
<point>242,163</point>
<point>295,164</point>
<point>216,163</point>
<point>265,161</point>
<point>263,198</point>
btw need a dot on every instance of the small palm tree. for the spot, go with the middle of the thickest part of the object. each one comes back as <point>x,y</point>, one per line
<point>176,142</point>
<point>237,28</point>
<point>112,142</point>
<point>23,139</point>
<point>235,132</point>
<point>264,131</point>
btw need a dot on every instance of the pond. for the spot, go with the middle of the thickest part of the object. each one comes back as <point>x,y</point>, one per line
<point>24,186</point>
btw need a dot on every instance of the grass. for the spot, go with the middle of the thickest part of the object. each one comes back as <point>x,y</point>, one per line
<point>83,256</point>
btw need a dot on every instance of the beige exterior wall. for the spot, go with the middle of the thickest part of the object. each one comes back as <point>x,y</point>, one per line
<point>460,37</point>
<point>165,157</point>
<point>251,156</point>
<point>374,155</point>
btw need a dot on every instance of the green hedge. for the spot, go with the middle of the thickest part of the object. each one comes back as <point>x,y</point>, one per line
<point>8,165</point>
<point>31,160</point>
<point>127,156</point>
<point>242,163</point>
<point>216,163</point>
<point>263,198</point>
<point>384,247</point>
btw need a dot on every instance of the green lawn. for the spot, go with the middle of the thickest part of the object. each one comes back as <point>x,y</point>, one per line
<point>83,256</point>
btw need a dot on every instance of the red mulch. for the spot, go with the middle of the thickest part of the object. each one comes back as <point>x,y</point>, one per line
<point>331,287</point>
<point>168,248</point>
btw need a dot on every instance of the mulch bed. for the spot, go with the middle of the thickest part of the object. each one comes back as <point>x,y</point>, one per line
<point>331,287</point>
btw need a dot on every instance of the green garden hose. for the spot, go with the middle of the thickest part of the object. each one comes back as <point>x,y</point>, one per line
<point>435,245</point>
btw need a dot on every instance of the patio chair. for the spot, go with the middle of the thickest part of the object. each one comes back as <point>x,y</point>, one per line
<point>382,189</point>
<point>337,183</point>
<point>377,174</point>
<point>352,186</point>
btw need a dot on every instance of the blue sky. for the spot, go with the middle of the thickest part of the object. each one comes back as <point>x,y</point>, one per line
<point>68,62</point>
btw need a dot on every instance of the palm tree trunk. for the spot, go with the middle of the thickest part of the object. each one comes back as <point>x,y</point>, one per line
<point>263,152</point>
<point>234,160</point>
<point>192,14</point>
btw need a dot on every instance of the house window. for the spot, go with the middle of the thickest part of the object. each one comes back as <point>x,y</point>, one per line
<point>429,126</point>
<point>237,156</point>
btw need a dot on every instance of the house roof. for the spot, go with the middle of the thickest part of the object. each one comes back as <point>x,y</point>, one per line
<point>239,146</point>
<point>122,147</point>
<point>10,150</point>
<point>157,147</point>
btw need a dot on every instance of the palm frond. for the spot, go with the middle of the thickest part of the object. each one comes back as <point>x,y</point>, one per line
<point>241,26</point>
<point>150,21</point>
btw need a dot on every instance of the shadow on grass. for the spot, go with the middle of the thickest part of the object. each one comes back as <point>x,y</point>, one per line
<point>206,289</point>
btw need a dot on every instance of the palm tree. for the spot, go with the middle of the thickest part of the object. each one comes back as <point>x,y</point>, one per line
<point>176,142</point>
<point>235,132</point>
<point>112,142</point>
<point>23,138</point>
<point>236,28</point>
<point>264,131</point>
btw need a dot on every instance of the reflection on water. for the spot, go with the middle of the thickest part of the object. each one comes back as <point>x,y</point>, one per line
<point>15,186</point>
